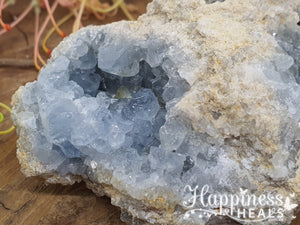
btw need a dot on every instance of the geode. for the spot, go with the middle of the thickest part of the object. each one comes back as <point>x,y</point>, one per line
<point>195,92</point>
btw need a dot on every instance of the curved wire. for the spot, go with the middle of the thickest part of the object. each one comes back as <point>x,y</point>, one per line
<point>125,11</point>
<point>100,10</point>
<point>63,20</point>
<point>76,24</point>
<point>2,118</point>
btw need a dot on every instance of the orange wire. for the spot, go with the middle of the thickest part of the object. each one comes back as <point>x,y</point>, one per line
<point>59,31</point>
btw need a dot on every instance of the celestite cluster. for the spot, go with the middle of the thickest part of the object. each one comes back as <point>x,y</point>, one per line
<point>193,93</point>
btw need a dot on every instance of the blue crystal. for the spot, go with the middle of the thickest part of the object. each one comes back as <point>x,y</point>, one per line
<point>105,103</point>
<point>143,105</point>
<point>89,81</point>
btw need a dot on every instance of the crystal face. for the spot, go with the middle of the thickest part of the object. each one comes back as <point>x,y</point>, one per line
<point>107,103</point>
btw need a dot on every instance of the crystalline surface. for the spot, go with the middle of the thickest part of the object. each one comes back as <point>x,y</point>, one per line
<point>115,107</point>
<point>193,93</point>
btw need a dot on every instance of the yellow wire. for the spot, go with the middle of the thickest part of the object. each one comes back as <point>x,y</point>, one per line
<point>76,24</point>
<point>12,127</point>
<point>114,6</point>
<point>63,20</point>
<point>126,12</point>
<point>41,59</point>
<point>1,117</point>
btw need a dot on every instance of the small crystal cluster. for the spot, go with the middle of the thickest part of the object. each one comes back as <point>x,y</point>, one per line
<point>104,105</point>
<point>289,40</point>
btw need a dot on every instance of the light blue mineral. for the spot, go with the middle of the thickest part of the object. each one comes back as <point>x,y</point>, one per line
<point>143,105</point>
<point>97,101</point>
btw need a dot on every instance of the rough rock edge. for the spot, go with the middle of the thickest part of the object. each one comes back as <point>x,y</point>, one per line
<point>30,166</point>
<point>119,199</point>
<point>129,219</point>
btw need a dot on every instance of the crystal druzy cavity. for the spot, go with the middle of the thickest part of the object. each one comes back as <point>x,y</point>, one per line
<point>102,99</point>
<point>193,93</point>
